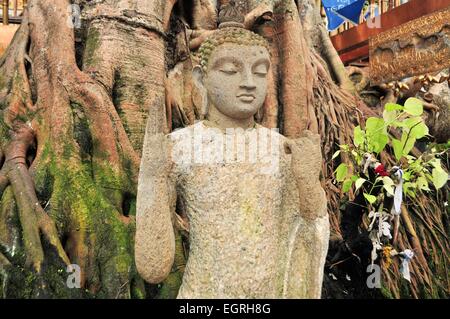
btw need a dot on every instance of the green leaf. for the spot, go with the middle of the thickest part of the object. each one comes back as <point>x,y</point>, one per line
<point>370,198</point>
<point>407,143</point>
<point>347,185</point>
<point>407,188</point>
<point>414,106</point>
<point>418,128</point>
<point>336,154</point>
<point>436,162</point>
<point>374,125</point>
<point>412,121</point>
<point>398,124</point>
<point>379,142</point>
<point>410,158</point>
<point>422,183</point>
<point>393,107</point>
<point>440,177</point>
<point>406,175</point>
<point>341,172</point>
<point>390,116</point>
<point>344,147</point>
<point>398,148</point>
<point>376,134</point>
<point>354,178</point>
<point>358,136</point>
<point>358,158</point>
<point>388,185</point>
<point>359,182</point>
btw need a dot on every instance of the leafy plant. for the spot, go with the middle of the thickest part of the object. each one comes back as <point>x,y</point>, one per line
<point>418,172</point>
<point>399,129</point>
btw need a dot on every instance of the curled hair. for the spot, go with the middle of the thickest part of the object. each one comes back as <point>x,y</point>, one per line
<point>233,35</point>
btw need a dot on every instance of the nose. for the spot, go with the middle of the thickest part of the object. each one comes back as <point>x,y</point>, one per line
<point>247,81</point>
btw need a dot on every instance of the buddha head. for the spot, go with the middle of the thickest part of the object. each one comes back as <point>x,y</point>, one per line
<point>233,70</point>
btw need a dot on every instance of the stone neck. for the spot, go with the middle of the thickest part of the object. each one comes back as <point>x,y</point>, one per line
<point>219,120</point>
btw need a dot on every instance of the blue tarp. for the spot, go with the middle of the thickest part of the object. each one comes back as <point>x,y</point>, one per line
<point>338,11</point>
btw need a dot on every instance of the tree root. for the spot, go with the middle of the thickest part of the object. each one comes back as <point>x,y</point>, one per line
<point>4,182</point>
<point>35,222</point>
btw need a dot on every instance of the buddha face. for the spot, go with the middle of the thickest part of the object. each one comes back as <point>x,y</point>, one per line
<point>236,79</point>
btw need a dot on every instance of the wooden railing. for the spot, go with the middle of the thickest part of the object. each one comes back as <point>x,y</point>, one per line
<point>12,11</point>
<point>371,7</point>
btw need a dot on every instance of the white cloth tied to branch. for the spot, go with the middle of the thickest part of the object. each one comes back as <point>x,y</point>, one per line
<point>398,193</point>
<point>406,256</point>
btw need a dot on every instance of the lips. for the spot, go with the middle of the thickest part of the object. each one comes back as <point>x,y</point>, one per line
<point>246,98</point>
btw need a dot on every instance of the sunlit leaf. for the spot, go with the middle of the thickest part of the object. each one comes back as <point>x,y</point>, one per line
<point>347,185</point>
<point>422,183</point>
<point>440,177</point>
<point>407,143</point>
<point>336,154</point>
<point>412,121</point>
<point>435,162</point>
<point>358,136</point>
<point>398,148</point>
<point>390,116</point>
<point>388,185</point>
<point>406,175</point>
<point>398,124</point>
<point>370,198</point>
<point>376,134</point>
<point>393,107</point>
<point>344,147</point>
<point>417,128</point>
<point>359,182</point>
<point>341,172</point>
<point>378,142</point>
<point>414,106</point>
<point>374,125</point>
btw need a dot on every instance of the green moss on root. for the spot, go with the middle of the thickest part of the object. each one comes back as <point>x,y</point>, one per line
<point>79,203</point>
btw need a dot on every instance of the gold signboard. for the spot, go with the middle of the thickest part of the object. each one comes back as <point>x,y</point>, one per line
<point>417,47</point>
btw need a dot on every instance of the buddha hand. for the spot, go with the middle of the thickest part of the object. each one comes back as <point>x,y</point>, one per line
<point>306,165</point>
<point>306,156</point>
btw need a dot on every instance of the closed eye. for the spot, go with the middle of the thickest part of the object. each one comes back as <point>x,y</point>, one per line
<point>229,68</point>
<point>260,69</point>
<point>260,73</point>
<point>228,71</point>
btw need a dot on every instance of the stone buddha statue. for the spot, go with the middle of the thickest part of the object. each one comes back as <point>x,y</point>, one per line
<point>258,224</point>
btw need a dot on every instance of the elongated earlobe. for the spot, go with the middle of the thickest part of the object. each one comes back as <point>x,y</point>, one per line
<point>197,74</point>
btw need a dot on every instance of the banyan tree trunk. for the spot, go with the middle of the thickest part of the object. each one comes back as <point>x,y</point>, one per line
<point>71,136</point>
<point>79,92</point>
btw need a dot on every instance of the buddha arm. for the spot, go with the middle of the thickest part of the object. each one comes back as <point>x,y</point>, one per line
<point>308,244</point>
<point>155,240</point>
<point>309,230</point>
